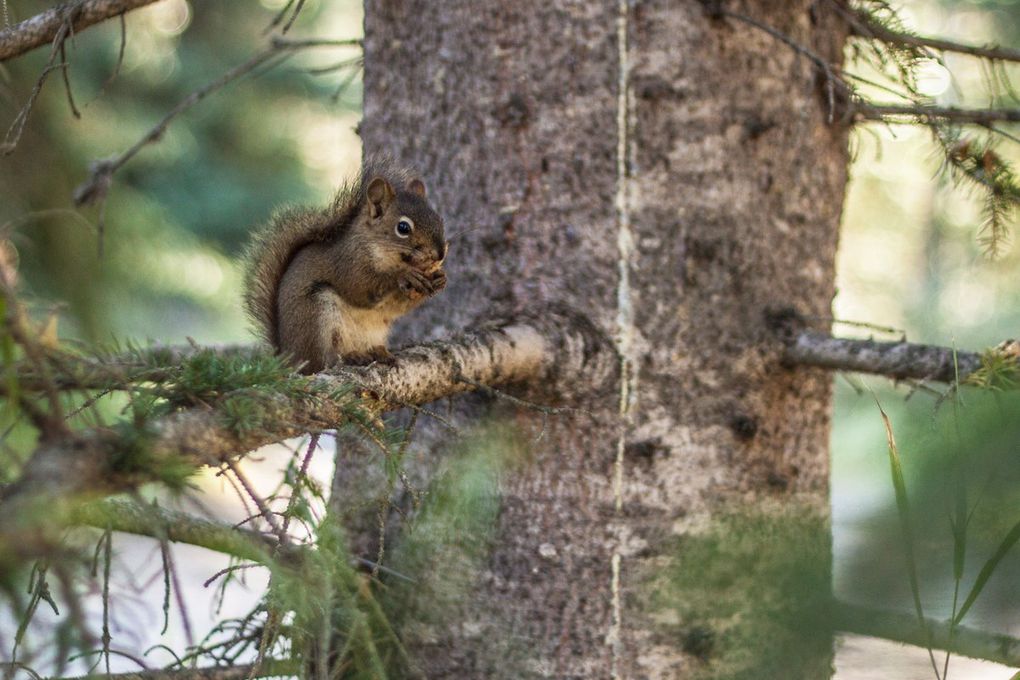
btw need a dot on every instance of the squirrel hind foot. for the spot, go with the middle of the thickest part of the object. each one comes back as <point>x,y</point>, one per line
<point>373,355</point>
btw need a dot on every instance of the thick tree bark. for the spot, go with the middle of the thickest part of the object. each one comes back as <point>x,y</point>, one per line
<point>672,176</point>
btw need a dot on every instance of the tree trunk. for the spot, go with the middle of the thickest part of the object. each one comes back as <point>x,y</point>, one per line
<point>673,176</point>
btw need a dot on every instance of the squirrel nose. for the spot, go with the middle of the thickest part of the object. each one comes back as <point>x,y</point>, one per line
<point>439,249</point>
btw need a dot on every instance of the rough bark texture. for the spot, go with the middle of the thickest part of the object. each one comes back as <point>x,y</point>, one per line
<point>898,360</point>
<point>672,176</point>
<point>43,28</point>
<point>560,348</point>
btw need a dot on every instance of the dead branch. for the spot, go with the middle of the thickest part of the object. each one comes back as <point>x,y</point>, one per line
<point>43,28</point>
<point>927,114</point>
<point>558,350</point>
<point>897,360</point>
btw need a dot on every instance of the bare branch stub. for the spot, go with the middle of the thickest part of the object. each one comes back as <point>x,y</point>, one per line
<point>928,114</point>
<point>897,360</point>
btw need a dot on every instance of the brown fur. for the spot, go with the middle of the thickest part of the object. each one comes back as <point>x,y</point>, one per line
<point>321,285</point>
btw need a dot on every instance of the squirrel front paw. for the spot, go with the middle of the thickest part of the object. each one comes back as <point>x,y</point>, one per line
<point>413,281</point>
<point>417,284</point>
<point>438,280</point>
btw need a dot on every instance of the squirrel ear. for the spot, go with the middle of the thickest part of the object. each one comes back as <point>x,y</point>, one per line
<point>416,186</point>
<point>380,194</point>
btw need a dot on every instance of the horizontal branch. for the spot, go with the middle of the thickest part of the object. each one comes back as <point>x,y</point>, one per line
<point>556,351</point>
<point>904,627</point>
<point>898,360</point>
<point>874,31</point>
<point>44,27</point>
<point>177,527</point>
<point>269,668</point>
<point>155,364</point>
<point>180,527</point>
<point>884,112</point>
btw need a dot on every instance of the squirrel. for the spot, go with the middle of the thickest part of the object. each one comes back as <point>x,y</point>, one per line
<point>323,286</point>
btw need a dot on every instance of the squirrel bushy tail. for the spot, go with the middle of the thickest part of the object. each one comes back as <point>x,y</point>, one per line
<point>273,247</point>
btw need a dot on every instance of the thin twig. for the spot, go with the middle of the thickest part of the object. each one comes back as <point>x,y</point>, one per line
<point>96,187</point>
<point>260,503</point>
<point>293,16</point>
<point>302,475</point>
<point>64,71</point>
<point>435,416</point>
<point>493,392</point>
<point>107,561</point>
<point>876,31</point>
<point>279,16</point>
<point>831,79</point>
<point>229,570</point>
<point>117,66</point>
<point>179,596</point>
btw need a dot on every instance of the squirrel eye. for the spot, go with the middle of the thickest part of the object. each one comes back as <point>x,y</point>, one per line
<point>404,228</point>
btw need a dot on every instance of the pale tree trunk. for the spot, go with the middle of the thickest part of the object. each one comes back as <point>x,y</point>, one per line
<point>673,177</point>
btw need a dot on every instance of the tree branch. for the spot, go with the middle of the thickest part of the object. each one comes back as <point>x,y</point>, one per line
<point>904,627</point>
<point>154,364</point>
<point>898,360</point>
<point>883,112</point>
<point>179,527</point>
<point>43,28</point>
<point>871,30</point>
<point>270,668</point>
<point>558,349</point>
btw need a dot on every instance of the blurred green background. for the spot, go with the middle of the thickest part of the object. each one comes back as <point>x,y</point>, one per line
<point>910,258</point>
<point>179,212</point>
<point>178,215</point>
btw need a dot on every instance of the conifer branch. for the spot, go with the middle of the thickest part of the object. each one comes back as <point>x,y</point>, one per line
<point>898,360</point>
<point>864,27</point>
<point>559,351</point>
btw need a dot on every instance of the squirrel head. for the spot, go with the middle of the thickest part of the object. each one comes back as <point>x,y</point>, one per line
<point>402,228</point>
